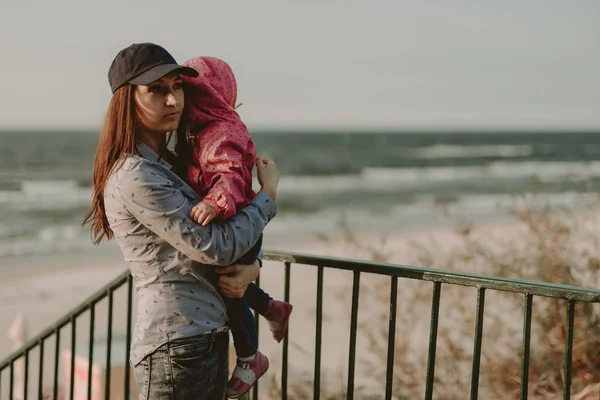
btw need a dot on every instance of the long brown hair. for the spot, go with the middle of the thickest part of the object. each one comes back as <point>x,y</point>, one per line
<point>116,140</point>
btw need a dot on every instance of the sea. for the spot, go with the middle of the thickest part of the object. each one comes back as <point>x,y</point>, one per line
<point>330,181</point>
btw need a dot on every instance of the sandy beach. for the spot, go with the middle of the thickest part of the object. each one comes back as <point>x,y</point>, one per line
<point>45,289</point>
<point>51,291</point>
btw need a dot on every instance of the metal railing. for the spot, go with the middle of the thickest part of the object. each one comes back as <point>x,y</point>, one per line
<point>54,333</point>
<point>528,290</point>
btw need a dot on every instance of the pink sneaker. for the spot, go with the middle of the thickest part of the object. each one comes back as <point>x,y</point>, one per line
<point>278,316</point>
<point>245,375</point>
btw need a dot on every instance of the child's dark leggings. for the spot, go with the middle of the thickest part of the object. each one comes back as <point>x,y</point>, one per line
<point>241,320</point>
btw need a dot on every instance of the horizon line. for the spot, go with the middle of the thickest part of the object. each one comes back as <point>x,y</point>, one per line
<point>341,130</point>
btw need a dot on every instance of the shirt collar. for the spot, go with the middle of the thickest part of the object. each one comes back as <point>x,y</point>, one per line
<point>149,154</point>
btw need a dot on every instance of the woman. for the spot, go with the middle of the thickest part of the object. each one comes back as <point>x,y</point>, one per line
<point>180,342</point>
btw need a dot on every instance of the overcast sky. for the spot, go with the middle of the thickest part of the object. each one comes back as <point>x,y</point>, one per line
<point>311,64</point>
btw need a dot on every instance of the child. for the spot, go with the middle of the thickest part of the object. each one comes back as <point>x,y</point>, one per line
<point>220,170</point>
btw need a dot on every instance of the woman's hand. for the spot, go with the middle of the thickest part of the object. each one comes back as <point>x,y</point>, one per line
<point>268,176</point>
<point>235,279</point>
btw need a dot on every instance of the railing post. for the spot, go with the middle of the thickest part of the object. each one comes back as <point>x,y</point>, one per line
<point>73,349</point>
<point>353,329</point>
<point>526,347</point>
<point>128,335</point>
<point>41,371</point>
<point>257,320</point>
<point>318,335</point>
<point>109,345</point>
<point>391,338</point>
<point>11,383</point>
<point>56,365</point>
<point>433,329</point>
<point>91,350</point>
<point>569,349</point>
<point>26,377</point>
<point>284,367</point>
<point>477,344</point>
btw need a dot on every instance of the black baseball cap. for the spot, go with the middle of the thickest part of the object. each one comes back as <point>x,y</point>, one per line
<point>142,64</point>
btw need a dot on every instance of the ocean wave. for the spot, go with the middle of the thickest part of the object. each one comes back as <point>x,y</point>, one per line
<point>394,179</point>
<point>425,211</point>
<point>569,199</point>
<point>325,220</point>
<point>542,170</point>
<point>54,195</point>
<point>47,195</point>
<point>477,207</point>
<point>49,187</point>
<point>50,239</point>
<point>454,151</point>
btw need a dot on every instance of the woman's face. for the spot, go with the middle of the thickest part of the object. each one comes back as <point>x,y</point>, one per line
<point>159,105</point>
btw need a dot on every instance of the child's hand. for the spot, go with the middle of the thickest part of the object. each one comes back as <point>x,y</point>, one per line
<point>268,175</point>
<point>202,213</point>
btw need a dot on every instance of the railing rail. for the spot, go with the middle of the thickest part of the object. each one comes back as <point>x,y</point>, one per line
<point>457,278</point>
<point>528,289</point>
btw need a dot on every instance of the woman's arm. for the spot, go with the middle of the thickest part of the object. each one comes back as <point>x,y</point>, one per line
<point>151,199</point>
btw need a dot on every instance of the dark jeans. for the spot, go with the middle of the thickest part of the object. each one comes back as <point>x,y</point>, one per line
<point>241,321</point>
<point>193,368</point>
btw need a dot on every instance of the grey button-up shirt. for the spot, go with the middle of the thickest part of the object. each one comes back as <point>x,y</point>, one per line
<point>170,256</point>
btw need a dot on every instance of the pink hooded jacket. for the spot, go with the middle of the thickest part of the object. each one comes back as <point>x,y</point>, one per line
<point>223,153</point>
